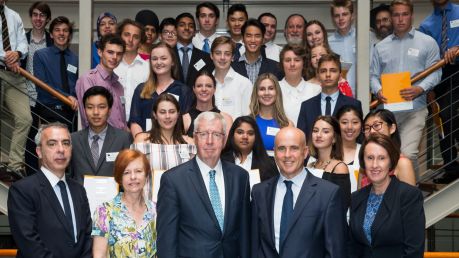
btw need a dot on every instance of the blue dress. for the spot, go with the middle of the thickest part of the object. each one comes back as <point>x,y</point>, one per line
<point>268,130</point>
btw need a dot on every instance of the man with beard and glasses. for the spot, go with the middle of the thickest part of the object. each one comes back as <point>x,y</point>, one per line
<point>381,23</point>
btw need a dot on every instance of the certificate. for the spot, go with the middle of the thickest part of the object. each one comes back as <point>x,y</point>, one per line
<point>254,177</point>
<point>99,189</point>
<point>392,84</point>
<point>156,180</point>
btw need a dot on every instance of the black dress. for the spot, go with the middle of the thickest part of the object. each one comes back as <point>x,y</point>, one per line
<point>344,183</point>
<point>193,112</point>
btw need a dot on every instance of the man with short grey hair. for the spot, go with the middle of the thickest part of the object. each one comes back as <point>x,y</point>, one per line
<point>49,213</point>
<point>203,204</point>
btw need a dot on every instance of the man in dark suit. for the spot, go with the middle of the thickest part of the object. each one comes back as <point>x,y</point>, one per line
<point>296,214</point>
<point>48,212</point>
<point>252,63</point>
<point>99,138</point>
<point>203,204</point>
<point>195,60</point>
<point>330,100</point>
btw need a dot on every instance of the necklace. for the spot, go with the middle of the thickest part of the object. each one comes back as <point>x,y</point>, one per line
<point>324,164</point>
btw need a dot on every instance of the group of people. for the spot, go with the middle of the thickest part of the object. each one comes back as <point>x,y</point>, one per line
<point>207,109</point>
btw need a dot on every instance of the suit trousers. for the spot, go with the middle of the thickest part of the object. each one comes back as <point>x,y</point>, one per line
<point>411,125</point>
<point>16,100</point>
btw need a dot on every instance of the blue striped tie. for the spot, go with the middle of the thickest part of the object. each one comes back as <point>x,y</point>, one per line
<point>215,199</point>
<point>444,35</point>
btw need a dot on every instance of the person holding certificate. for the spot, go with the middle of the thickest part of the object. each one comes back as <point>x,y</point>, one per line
<point>244,147</point>
<point>125,226</point>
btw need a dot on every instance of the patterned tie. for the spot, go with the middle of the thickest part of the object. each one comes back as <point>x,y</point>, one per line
<point>64,76</point>
<point>444,36</point>
<point>185,62</point>
<point>328,106</point>
<point>287,211</point>
<point>215,199</point>
<point>5,34</point>
<point>206,47</point>
<point>95,149</point>
<point>65,201</point>
<point>237,54</point>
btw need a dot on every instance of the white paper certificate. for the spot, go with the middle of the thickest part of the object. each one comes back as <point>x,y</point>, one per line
<point>157,174</point>
<point>99,189</point>
<point>254,177</point>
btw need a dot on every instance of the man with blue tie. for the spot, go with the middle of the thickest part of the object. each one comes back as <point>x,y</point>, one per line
<point>203,204</point>
<point>330,100</point>
<point>207,14</point>
<point>296,214</point>
<point>48,212</point>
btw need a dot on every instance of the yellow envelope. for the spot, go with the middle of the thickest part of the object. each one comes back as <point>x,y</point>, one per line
<point>392,83</point>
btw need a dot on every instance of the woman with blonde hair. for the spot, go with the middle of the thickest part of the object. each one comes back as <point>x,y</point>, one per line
<point>163,79</point>
<point>266,106</point>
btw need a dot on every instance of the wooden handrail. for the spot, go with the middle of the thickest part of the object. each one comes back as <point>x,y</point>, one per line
<point>46,87</point>
<point>419,76</point>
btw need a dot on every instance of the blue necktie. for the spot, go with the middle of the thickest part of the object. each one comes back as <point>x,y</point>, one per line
<point>185,62</point>
<point>215,199</point>
<point>328,106</point>
<point>65,201</point>
<point>206,47</point>
<point>287,211</point>
<point>444,35</point>
<point>237,54</point>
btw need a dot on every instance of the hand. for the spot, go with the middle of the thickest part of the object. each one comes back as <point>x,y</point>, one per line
<point>74,102</point>
<point>381,97</point>
<point>411,93</point>
<point>11,57</point>
<point>450,55</point>
<point>14,67</point>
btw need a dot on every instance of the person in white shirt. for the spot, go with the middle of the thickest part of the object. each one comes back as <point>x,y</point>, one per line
<point>233,90</point>
<point>294,88</point>
<point>272,50</point>
<point>207,14</point>
<point>132,70</point>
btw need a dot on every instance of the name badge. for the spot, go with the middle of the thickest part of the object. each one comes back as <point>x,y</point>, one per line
<point>454,23</point>
<point>110,156</point>
<point>184,155</point>
<point>413,52</point>
<point>227,102</point>
<point>177,97</point>
<point>199,65</point>
<point>272,131</point>
<point>71,68</point>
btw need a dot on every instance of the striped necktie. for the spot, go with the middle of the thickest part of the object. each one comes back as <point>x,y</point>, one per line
<point>444,35</point>
<point>215,199</point>
<point>5,34</point>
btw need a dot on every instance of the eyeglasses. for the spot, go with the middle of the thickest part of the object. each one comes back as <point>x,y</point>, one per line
<point>169,33</point>
<point>376,126</point>
<point>204,135</point>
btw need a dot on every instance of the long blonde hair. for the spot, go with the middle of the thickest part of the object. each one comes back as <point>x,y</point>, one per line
<point>151,83</point>
<point>278,108</point>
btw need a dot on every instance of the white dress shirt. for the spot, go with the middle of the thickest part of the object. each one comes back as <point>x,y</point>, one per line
<point>247,164</point>
<point>198,40</point>
<point>233,95</point>
<point>18,40</point>
<point>219,179</point>
<point>294,96</point>
<point>281,189</point>
<point>273,51</point>
<point>323,102</point>
<point>53,180</point>
<point>130,76</point>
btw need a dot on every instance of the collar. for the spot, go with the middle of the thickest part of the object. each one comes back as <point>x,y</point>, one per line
<point>297,180</point>
<point>269,43</point>
<point>202,37</point>
<point>41,41</point>
<point>448,8</point>
<point>203,166</point>
<point>231,74</point>
<point>180,45</point>
<point>249,157</point>
<point>104,74</point>
<point>52,178</point>
<point>351,32</point>
<point>409,34</point>
<point>117,202</point>
<point>101,134</point>
<point>299,88</point>
<point>334,96</point>
<point>57,50</point>
<point>243,58</point>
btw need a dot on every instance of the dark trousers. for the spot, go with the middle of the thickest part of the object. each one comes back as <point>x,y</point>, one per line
<point>58,113</point>
<point>447,94</point>
<point>31,158</point>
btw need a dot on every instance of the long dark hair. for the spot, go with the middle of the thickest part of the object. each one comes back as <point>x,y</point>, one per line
<point>388,117</point>
<point>337,149</point>
<point>155,135</point>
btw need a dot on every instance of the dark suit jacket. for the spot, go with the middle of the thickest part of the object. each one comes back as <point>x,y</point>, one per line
<point>82,162</point>
<point>186,222</point>
<point>310,109</point>
<point>267,168</point>
<point>196,56</point>
<point>49,42</point>
<point>267,66</point>
<point>38,222</point>
<point>317,228</point>
<point>398,228</point>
